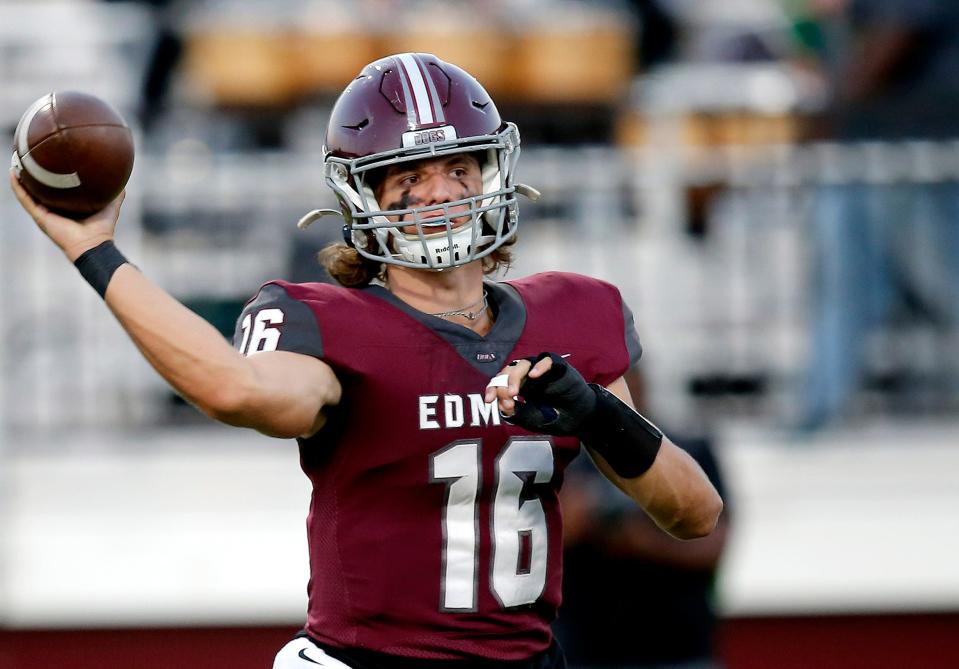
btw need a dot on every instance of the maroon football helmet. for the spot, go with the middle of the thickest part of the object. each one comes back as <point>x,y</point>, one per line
<point>408,107</point>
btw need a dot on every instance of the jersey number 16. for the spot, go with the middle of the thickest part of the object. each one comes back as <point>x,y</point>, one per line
<point>517,522</point>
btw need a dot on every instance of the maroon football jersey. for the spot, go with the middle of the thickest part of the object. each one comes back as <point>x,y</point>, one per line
<point>434,526</point>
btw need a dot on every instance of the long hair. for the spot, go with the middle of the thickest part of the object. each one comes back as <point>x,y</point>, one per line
<point>348,268</point>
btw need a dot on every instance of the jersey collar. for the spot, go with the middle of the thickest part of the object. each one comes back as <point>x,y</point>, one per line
<point>486,353</point>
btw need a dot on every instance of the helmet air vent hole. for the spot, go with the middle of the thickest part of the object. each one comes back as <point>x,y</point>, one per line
<point>456,255</point>
<point>423,259</point>
<point>481,105</point>
<point>359,126</point>
<point>439,260</point>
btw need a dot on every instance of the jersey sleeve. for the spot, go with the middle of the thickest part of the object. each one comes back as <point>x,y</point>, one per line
<point>274,321</point>
<point>633,347</point>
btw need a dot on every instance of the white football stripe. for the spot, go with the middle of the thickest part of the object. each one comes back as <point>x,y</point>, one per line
<point>33,168</point>
<point>421,95</point>
<point>27,119</point>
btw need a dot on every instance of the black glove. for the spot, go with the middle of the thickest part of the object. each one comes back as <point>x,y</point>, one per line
<point>557,403</point>
<point>561,403</point>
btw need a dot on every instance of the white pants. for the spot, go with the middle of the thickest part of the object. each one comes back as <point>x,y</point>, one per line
<point>302,653</point>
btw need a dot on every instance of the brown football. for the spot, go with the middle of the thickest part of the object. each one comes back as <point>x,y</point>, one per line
<point>73,152</point>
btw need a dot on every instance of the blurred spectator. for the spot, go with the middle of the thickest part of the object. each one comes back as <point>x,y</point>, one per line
<point>165,52</point>
<point>657,34</point>
<point>633,596</point>
<point>891,66</point>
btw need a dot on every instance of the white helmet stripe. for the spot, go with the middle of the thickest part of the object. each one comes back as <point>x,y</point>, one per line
<point>407,96</point>
<point>434,96</point>
<point>420,95</point>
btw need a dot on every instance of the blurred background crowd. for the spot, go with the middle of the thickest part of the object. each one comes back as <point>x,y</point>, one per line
<point>773,185</point>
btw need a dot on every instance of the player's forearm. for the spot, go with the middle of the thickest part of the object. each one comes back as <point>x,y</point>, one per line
<point>189,353</point>
<point>674,492</point>
<point>277,393</point>
<point>280,394</point>
<point>677,494</point>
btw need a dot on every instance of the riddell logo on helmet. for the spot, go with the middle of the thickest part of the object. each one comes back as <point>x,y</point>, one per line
<point>445,249</point>
<point>431,136</point>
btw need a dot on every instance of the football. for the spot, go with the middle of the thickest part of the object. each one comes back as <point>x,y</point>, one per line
<point>73,153</point>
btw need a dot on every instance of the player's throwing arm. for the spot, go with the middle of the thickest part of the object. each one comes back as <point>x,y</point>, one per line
<point>278,393</point>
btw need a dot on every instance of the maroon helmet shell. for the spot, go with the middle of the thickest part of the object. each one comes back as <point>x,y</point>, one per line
<point>405,92</point>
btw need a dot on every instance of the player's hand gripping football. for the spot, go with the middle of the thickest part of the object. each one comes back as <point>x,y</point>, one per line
<point>73,237</point>
<point>544,394</point>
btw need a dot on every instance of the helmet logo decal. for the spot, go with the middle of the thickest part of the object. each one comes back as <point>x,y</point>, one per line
<point>420,92</point>
<point>431,136</point>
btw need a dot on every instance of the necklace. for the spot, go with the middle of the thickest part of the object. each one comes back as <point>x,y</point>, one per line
<point>467,311</point>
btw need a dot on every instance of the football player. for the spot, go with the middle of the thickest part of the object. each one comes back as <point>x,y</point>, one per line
<point>435,409</point>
